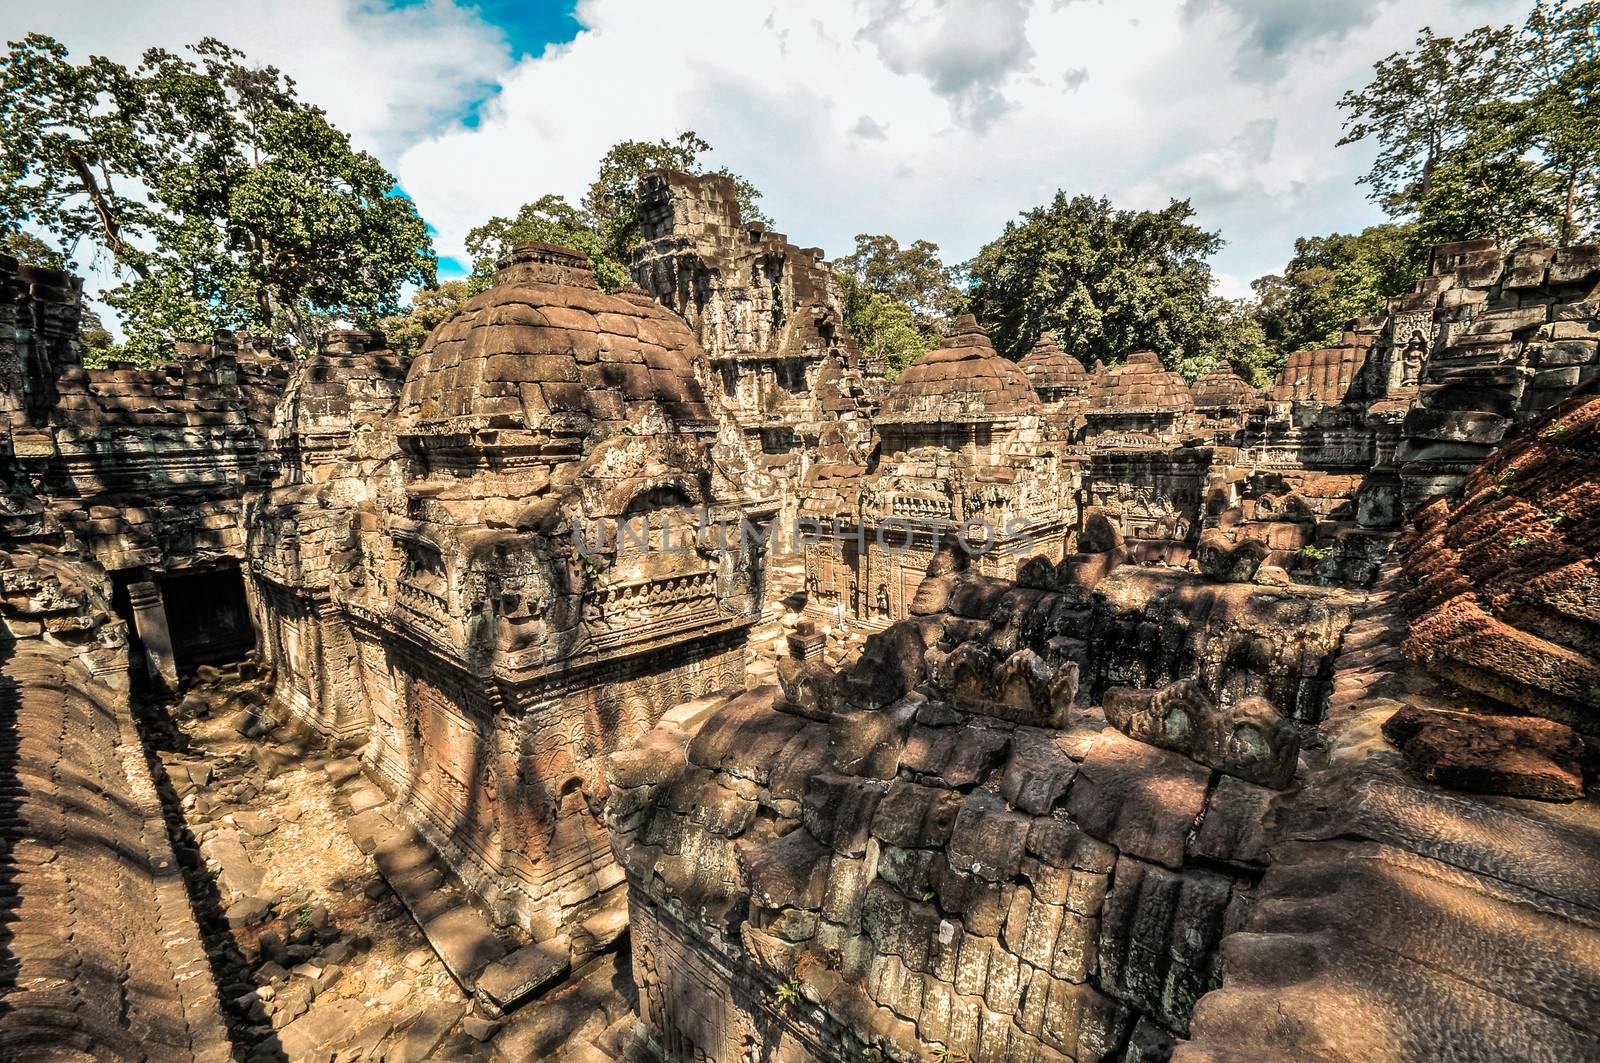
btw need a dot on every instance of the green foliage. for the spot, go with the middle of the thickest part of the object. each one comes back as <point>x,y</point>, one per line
<point>1332,279</point>
<point>406,332</point>
<point>221,199</point>
<point>1419,107</point>
<point>882,326</point>
<point>913,276</point>
<point>1108,282</point>
<point>1495,134</point>
<point>28,249</point>
<point>1314,553</point>
<point>788,993</point>
<point>95,342</point>
<point>549,219</point>
<point>605,226</point>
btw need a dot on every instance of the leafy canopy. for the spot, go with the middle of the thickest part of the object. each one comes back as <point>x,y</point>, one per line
<point>552,220</point>
<point>405,332</point>
<point>914,276</point>
<point>884,327</point>
<point>1494,134</point>
<point>219,197</point>
<point>1108,282</point>
<point>1332,279</point>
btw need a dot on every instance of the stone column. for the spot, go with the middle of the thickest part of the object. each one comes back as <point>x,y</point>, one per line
<point>150,620</point>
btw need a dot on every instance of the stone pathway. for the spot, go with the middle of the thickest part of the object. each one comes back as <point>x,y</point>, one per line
<point>1401,921</point>
<point>345,941</point>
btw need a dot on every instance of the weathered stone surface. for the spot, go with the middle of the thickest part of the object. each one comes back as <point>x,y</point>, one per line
<point>1522,756</point>
<point>1138,798</point>
<point>508,981</point>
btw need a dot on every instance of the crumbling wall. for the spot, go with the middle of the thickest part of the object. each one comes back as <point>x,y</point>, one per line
<point>948,851</point>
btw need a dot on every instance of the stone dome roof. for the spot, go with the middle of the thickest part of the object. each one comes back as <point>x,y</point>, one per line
<point>1222,387</point>
<point>1048,367</point>
<point>963,379</point>
<point>543,348</point>
<point>1142,383</point>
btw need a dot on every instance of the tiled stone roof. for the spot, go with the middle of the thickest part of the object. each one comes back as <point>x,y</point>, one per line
<point>544,342</point>
<point>963,379</point>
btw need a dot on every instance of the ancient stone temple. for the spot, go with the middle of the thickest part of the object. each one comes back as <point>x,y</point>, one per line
<point>505,570</point>
<point>1156,719</point>
<point>769,314</point>
<point>961,465</point>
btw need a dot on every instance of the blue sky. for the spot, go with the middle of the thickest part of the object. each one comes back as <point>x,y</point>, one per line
<point>935,119</point>
<point>530,27</point>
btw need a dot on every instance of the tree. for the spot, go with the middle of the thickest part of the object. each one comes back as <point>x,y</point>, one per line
<point>221,199</point>
<point>1419,107</point>
<point>29,250</point>
<point>1334,278</point>
<point>1495,134</point>
<point>612,202</point>
<point>406,332</point>
<point>550,219</point>
<point>1107,282</point>
<point>1240,341</point>
<point>882,326</point>
<point>915,276</point>
<point>606,225</point>
<point>1555,120</point>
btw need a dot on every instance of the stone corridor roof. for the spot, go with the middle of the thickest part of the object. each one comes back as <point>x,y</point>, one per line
<point>102,958</point>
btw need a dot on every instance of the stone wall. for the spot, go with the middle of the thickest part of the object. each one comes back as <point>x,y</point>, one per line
<point>948,849</point>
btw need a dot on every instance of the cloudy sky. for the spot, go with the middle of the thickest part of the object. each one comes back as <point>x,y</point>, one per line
<point>936,119</point>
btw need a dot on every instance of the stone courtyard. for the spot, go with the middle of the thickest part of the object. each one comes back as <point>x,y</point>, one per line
<point>646,675</point>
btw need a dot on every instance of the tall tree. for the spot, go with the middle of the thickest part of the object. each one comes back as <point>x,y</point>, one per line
<point>1107,282</point>
<point>219,197</point>
<point>914,275</point>
<point>1419,107</point>
<point>1493,134</point>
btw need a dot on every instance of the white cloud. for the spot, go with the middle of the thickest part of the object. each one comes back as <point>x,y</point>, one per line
<point>386,75</point>
<point>1228,102</point>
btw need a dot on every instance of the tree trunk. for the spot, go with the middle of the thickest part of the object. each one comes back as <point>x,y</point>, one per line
<point>102,208</point>
<point>1566,219</point>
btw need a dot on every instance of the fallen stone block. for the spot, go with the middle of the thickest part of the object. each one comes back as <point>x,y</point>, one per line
<point>1519,756</point>
<point>507,982</point>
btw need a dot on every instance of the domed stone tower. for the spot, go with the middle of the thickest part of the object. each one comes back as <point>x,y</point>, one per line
<point>1140,396</point>
<point>1222,395</point>
<point>1062,384</point>
<point>1055,375</point>
<point>543,579</point>
<point>964,380</point>
<point>963,463</point>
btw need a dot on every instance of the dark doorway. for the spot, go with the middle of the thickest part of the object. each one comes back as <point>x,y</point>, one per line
<point>208,616</point>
